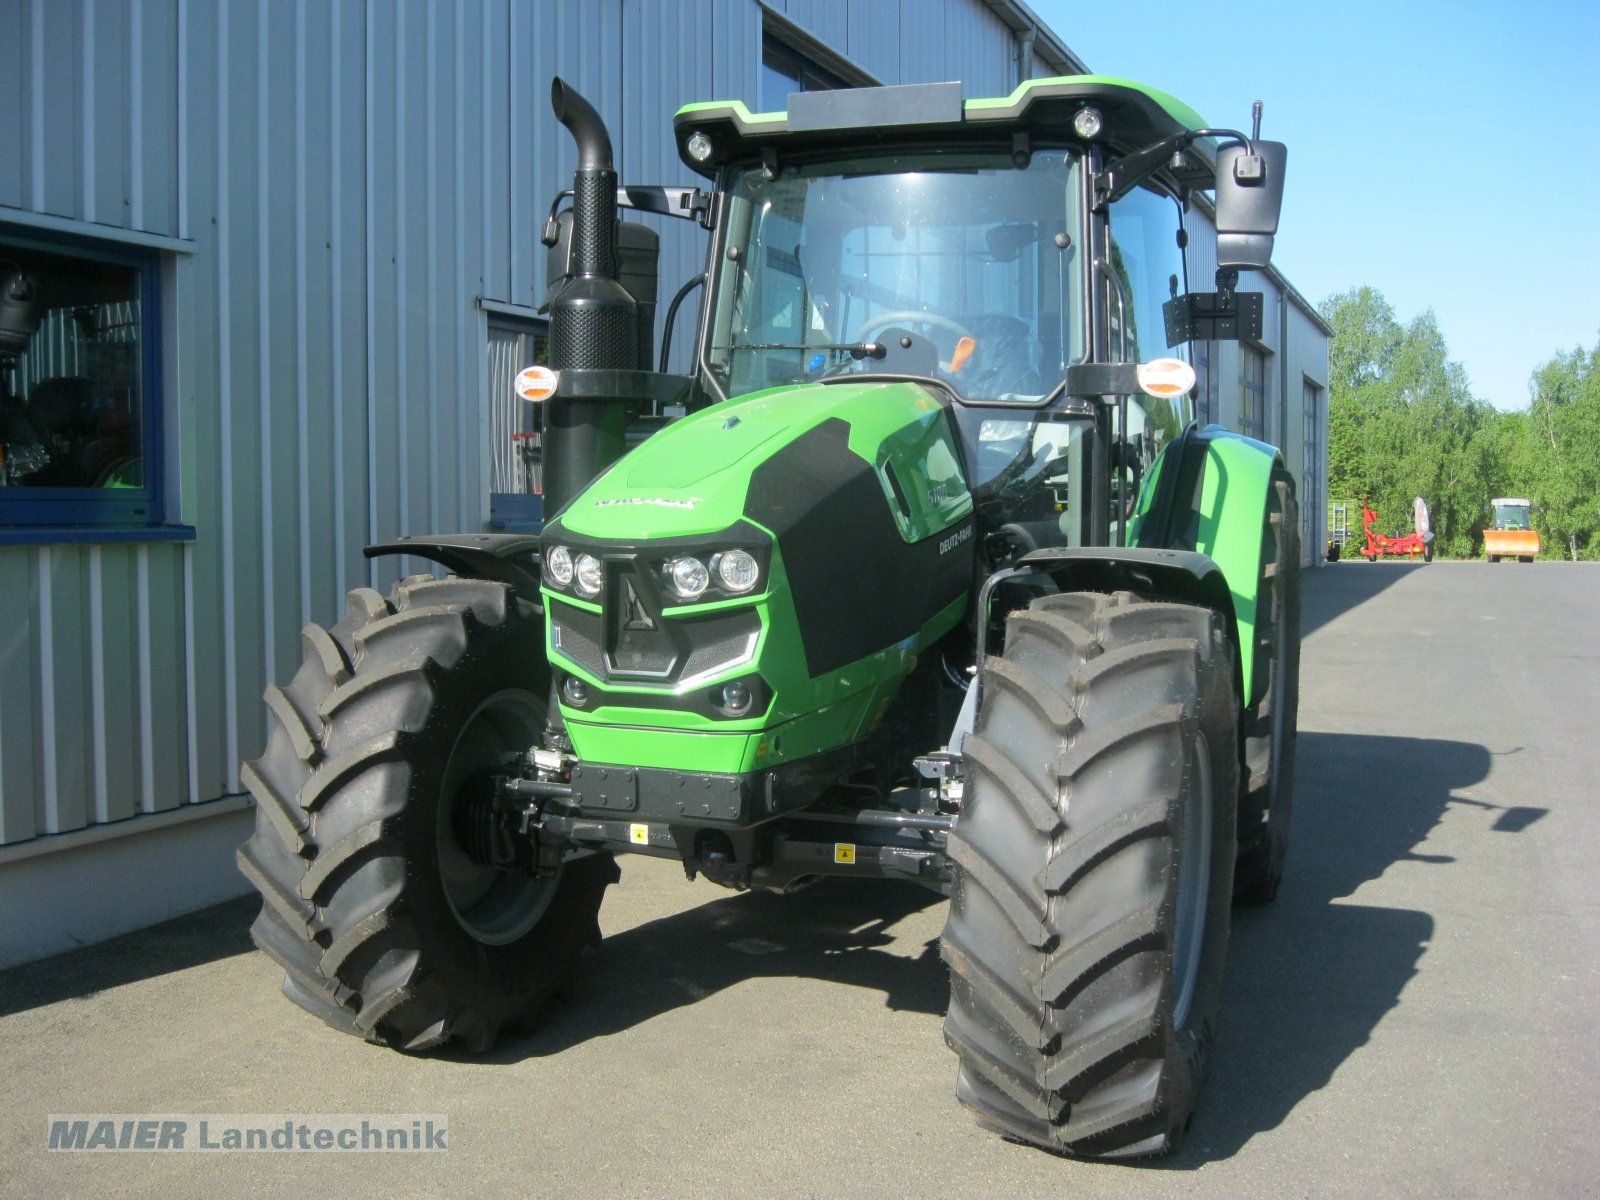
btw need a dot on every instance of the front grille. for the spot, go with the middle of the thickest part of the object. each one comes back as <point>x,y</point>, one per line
<point>576,633</point>
<point>633,640</point>
<point>720,640</point>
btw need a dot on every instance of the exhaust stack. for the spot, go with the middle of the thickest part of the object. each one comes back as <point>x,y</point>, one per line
<point>593,320</point>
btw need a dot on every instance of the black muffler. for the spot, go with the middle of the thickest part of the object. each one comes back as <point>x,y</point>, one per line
<point>594,321</point>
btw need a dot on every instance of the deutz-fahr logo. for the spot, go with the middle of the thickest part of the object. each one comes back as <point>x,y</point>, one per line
<point>653,501</point>
<point>964,534</point>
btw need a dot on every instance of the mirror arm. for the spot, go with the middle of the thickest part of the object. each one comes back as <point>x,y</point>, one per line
<point>1129,171</point>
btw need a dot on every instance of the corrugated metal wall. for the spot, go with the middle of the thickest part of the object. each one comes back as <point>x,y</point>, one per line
<point>350,178</point>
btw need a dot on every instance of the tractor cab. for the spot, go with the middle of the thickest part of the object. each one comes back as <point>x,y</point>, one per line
<point>985,248</point>
<point>1511,514</point>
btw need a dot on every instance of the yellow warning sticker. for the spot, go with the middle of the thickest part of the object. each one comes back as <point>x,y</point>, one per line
<point>844,852</point>
<point>639,835</point>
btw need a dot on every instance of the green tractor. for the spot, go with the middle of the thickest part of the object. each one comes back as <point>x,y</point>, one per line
<point>923,571</point>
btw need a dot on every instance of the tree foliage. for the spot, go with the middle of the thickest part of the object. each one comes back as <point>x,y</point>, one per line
<point>1403,422</point>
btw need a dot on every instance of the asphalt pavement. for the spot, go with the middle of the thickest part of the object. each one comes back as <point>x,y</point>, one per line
<point>1414,1016</point>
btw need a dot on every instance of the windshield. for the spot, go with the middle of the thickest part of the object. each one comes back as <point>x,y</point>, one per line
<point>957,266</point>
<point>1510,516</point>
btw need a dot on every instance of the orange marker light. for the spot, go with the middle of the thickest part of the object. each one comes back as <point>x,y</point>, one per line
<point>1165,378</point>
<point>537,383</point>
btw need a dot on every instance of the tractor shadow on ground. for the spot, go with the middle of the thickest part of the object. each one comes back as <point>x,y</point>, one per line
<point>835,930</point>
<point>1312,975</point>
<point>1334,589</point>
<point>220,931</point>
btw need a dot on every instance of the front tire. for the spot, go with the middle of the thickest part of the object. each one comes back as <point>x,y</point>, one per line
<point>1093,858</point>
<point>385,926</point>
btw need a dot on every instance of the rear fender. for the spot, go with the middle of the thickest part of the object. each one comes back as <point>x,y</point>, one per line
<point>1207,494</point>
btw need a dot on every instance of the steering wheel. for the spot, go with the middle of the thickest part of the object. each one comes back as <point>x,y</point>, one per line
<point>910,317</point>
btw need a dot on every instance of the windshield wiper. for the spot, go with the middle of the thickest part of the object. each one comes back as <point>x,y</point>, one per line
<point>856,350</point>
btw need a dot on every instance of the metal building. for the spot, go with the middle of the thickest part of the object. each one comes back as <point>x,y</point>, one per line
<point>291,250</point>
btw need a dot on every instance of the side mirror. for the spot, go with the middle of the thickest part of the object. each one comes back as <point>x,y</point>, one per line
<point>1249,197</point>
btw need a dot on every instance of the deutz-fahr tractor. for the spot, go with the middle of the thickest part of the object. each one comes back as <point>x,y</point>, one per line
<point>921,571</point>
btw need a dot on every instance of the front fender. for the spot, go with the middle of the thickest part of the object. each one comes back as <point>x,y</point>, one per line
<point>1207,493</point>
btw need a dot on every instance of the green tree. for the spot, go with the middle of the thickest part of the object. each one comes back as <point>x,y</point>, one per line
<point>1402,421</point>
<point>1561,453</point>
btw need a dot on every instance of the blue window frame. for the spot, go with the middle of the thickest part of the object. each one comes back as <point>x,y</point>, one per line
<point>80,387</point>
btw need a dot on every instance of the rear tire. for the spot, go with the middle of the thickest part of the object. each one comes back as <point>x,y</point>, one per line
<point>1494,558</point>
<point>384,926</point>
<point>1270,726</point>
<point>1093,861</point>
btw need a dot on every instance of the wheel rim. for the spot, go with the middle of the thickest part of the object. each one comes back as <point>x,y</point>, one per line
<point>493,906</point>
<point>1194,889</point>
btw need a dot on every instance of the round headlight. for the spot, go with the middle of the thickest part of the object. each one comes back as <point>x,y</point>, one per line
<point>689,577</point>
<point>559,563</point>
<point>1086,122</point>
<point>737,570</point>
<point>699,146</point>
<point>588,575</point>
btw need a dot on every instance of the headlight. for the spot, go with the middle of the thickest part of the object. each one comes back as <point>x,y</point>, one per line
<point>737,570</point>
<point>689,577</point>
<point>588,575</point>
<point>559,563</point>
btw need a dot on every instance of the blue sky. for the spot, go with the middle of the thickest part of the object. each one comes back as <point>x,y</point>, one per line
<point>1447,154</point>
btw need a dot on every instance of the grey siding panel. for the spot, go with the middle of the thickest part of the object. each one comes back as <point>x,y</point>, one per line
<point>151,164</point>
<point>874,37</point>
<point>21,776</point>
<point>15,77</point>
<point>91,85</point>
<point>346,196</point>
<point>65,686</point>
<point>107,84</point>
<point>977,48</point>
<point>116,703</point>
<point>204,303</point>
<point>57,109</point>
<point>826,20</point>
<point>165,713</point>
<point>493,118</point>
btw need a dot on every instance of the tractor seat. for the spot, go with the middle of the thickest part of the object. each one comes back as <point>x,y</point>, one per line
<point>1003,362</point>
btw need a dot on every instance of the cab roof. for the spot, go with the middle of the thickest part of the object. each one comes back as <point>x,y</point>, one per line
<point>1133,115</point>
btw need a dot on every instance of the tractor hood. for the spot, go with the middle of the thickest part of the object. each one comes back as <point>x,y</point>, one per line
<point>845,505</point>
<point>695,476</point>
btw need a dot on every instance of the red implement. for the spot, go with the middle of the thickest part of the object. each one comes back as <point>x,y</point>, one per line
<point>1411,545</point>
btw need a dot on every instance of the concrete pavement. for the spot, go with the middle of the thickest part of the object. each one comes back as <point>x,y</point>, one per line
<point>1415,1016</point>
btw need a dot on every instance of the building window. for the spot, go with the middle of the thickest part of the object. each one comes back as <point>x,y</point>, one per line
<point>1311,476</point>
<point>784,69</point>
<point>79,385</point>
<point>1252,393</point>
<point>516,479</point>
<point>1208,382</point>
